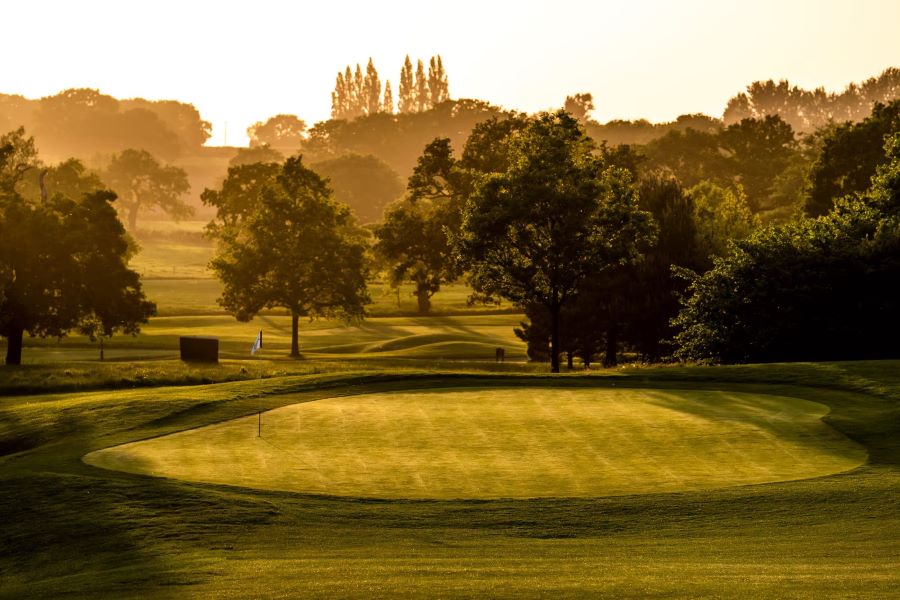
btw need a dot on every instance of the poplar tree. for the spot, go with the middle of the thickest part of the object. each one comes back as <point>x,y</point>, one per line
<point>352,96</point>
<point>388,104</point>
<point>438,87</point>
<point>406,100</point>
<point>371,90</point>
<point>421,93</point>
<point>339,98</point>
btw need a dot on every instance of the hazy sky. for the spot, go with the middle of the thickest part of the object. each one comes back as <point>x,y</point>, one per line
<point>239,62</point>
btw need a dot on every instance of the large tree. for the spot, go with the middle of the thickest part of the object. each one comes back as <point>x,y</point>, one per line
<point>364,183</point>
<point>142,183</point>
<point>281,132</point>
<point>534,233</point>
<point>63,267</point>
<point>849,156</point>
<point>812,289</point>
<point>294,248</point>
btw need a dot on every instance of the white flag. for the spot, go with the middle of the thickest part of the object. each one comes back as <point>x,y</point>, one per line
<point>257,344</point>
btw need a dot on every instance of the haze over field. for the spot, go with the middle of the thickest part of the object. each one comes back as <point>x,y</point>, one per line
<point>648,59</point>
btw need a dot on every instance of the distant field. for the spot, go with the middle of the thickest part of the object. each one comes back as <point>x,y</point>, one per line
<point>505,443</point>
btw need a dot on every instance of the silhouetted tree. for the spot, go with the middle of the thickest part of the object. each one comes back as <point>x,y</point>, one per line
<point>812,289</point>
<point>438,86</point>
<point>256,154</point>
<point>387,104</point>
<point>364,183</point>
<point>143,183</point>
<point>579,106</point>
<point>850,156</point>
<point>406,101</point>
<point>63,264</point>
<point>423,101</point>
<point>282,132</point>
<point>534,233</point>
<point>297,249</point>
<point>413,240</point>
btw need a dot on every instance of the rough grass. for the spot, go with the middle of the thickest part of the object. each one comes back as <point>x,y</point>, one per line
<point>505,443</point>
<point>72,529</point>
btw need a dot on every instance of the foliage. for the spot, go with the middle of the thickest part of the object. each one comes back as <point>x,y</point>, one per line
<point>754,153</point>
<point>256,154</point>
<point>721,215</point>
<point>282,132</point>
<point>142,183</point>
<point>536,232</point>
<point>239,196</point>
<point>63,266</point>
<point>293,248</point>
<point>813,289</point>
<point>364,183</point>
<point>805,110</point>
<point>398,139</point>
<point>413,241</point>
<point>850,155</point>
<point>70,179</point>
<point>579,106</point>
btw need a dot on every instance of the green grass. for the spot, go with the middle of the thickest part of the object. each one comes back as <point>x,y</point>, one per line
<point>504,443</point>
<point>465,337</point>
<point>73,529</point>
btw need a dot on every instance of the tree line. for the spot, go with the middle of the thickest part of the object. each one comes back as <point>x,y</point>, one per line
<point>356,94</point>
<point>596,243</point>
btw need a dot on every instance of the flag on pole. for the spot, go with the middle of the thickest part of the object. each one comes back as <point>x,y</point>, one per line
<point>257,344</point>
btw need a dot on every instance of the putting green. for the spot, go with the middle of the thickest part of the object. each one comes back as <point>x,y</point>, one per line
<point>505,443</point>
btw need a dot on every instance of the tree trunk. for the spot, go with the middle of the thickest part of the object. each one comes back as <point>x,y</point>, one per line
<point>612,345</point>
<point>423,299</point>
<point>570,360</point>
<point>554,336</point>
<point>14,346</point>
<point>295,331</point>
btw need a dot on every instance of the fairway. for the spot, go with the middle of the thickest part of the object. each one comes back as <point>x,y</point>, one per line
<point>505,443</point>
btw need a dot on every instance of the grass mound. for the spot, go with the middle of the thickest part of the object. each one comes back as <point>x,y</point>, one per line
<point>506,443</point>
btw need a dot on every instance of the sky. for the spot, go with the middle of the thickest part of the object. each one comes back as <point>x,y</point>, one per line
<point>242,62</point>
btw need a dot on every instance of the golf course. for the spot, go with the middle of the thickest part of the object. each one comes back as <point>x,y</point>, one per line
<point>397,458</point>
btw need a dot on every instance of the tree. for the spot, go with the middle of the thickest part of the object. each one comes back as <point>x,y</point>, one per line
<point>387,105</point>
<point>812,289</point>
<point>372,90</point>
<point>63,266</point>
<point>18,155</point>
<point>142,183</point>
<point>70,179</point>
<point>281,132</point>
<point>534,233</point>
<point>293,248</point>
<point>438,87</point>
<point>240,193</point>
<point>256,154</point>
<point>414,239</point>
<point>579,106</point>
<point>422,99</point>
<point>364,183</point>
<point>721,215</point>
<point>406,101</point>
<point>849,157</point>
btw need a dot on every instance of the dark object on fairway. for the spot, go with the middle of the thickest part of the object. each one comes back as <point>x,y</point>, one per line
<point>199,349</point>
<point>500,355</point>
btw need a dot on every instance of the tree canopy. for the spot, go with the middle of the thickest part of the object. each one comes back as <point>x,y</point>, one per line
<point>142,183</point>
<point>534,233</point>
<point>812,289</point>
<point>292,247</point>
<point>63,265</point>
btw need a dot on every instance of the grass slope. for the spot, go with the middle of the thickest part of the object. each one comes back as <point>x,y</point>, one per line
<point>72,529</point>
<point>505,443</point>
